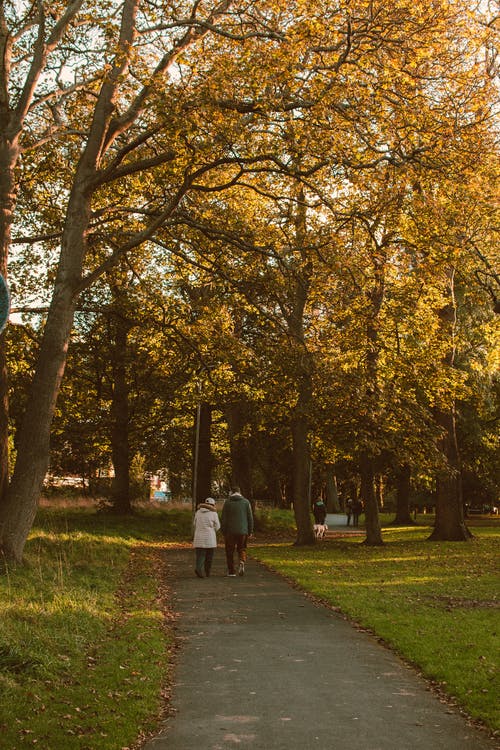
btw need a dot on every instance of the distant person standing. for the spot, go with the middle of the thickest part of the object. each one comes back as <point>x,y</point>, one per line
<point>357,509</point>
<point>237,526</point>
<point>348,510</point>
<point>319,511</point>
<point>206,524</point>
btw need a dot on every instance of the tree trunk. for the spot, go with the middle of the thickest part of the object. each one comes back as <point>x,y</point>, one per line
<point>332,495</point>
<point>241,465</point>
<point>33,439</point>
<point>372,399</point>
<point>202,468</point>
<point>120,486</point>
<point>205,453</point>
<point>449,525</point>
<point>403,486</point>
<point>368,496</point>
<point>18,511</point>
<point>286,493</point>
<point>300,481</point>
<point>379,491</point>
<point>274,491</point>
<point>12,123</point>
<point>299,290</point>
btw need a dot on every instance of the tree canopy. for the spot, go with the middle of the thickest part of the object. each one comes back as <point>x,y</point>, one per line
<point>287,209</point>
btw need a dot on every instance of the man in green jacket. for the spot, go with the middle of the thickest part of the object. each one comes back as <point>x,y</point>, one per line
<point>237,525</point>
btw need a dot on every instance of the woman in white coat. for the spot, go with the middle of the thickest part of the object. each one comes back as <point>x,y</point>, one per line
<point>206,524</point>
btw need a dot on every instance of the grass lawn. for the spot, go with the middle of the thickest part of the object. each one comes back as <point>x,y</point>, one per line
<point>85,628</point>
<point>436,604</point>
<point>92,586</point>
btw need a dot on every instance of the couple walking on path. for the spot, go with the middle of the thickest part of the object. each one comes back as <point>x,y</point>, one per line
<point>236,524</point>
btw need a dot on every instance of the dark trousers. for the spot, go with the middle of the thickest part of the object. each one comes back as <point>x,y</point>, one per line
<point>204,558</point>
<point>232,542</point>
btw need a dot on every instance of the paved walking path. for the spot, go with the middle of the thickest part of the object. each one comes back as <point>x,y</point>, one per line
<point>262,667</point>
<point>337,526</point>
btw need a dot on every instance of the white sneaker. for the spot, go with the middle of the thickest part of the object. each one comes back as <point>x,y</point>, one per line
<point>232,575</point>
<point>241,569</point>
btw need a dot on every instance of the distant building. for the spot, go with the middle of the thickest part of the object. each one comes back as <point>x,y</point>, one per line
<point>159,488</point>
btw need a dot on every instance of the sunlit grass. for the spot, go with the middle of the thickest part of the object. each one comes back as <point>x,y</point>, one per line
<point>83,647</point>
<point>435,604</point>
<point>83,643</point>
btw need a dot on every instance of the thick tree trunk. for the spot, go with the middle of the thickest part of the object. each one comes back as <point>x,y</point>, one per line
<point>449,525</point>
<point>120,487</point>
<point>403,486</point>
<point>202,464</point>
<point>18,511</point>
<point>300,480</point>
<point>299,290</point>
<point>379,490</point>
<point>368,496</point>
<point>372,396</point>
<point>241,465</point>
<point>205,453</point>
<point>332,495</point>
<point>19,501</point>
<point>33,440</point>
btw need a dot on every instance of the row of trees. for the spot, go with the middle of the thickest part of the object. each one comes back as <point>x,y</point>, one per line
<point>283,210</point>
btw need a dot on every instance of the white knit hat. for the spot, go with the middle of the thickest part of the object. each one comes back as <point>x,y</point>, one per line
<point>210,501</point>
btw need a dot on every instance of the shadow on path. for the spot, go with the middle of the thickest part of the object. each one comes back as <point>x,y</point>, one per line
<point>262,667</point>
